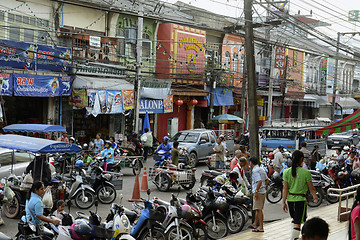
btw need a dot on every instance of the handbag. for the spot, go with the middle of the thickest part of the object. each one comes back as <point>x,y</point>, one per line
<point>39,226</point>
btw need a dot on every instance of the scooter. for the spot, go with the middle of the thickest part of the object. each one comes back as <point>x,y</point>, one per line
<point>27,230</point>
<point>148,225</point>
<point>161,157</point>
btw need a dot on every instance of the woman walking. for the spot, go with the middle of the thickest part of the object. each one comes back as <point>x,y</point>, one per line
<point>354,223</point>
<point>297,182</point>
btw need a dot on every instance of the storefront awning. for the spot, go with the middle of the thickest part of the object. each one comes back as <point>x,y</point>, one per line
<point>349,103</point>
<point>323,101</point>
<point>98,83</point>
<point>189,91</point>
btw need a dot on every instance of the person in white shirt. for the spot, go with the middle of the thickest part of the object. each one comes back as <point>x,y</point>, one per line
<point>240,169</point>
<point>278,160</point>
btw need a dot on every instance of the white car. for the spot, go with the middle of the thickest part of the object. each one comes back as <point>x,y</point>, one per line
<point>21,161</point>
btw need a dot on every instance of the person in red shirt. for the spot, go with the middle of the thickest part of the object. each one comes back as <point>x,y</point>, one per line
<point>235,159</point>
<point>240,169</point>
<point>63,137</point>
<point>354,224</point>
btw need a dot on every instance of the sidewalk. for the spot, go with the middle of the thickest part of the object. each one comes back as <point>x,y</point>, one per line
<point>280,230</point>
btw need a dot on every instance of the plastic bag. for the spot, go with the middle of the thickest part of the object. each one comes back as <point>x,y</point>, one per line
<point>8,193</point>
<point>47,199</point>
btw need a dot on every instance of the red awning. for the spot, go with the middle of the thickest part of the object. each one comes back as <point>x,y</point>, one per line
<point>350,122</point>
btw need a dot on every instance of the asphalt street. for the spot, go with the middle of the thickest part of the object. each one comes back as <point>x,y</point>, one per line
<point>272,212</point>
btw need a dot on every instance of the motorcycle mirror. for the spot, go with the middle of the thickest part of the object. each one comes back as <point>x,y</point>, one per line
<point>121,196</point>
<point>179,188</point>
<point>96,205</point>
<point>148,192</point>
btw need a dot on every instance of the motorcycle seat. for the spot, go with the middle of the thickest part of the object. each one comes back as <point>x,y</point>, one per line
<point>131,215</point>
<point>213,172</point>
<point>162,203</point>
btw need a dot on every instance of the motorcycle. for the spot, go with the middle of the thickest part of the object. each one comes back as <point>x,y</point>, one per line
<point>148,225</point>
<point>322,183</point>
<point>208,176</point>
<point>161,157</point>
<point>27,230</point>
<point>101,183</point>
<point>274,191</point>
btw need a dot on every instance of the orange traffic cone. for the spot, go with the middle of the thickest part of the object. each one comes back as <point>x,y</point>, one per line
<point>136,191</point>
<point>144,182</point>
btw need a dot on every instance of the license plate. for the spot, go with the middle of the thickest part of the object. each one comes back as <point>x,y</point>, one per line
<point>336,142</point>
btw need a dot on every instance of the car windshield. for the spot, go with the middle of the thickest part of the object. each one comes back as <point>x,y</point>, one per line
<point>185,137</point>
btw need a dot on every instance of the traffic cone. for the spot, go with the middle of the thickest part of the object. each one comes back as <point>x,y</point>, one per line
<point>144,182</point>
<point>136,191</point>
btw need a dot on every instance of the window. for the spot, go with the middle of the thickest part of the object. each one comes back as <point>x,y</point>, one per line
<point>14,33</point>
<point>2,16</point>
<point>45,23</point>
<point>32,21</point>
<point>227,60</point>
<point>28,35</point>
<point>147,46</point>
<point>5,159</point>
<point>11,17</point>
<point>18,18</point>
<point>130,50</point>
<point>42,37</point>
<point>23,157</point>
<point>235,61</point>
<point>212,138</point>
<point>25,20</point>
<point>205,137</point>
<point>39,23</point>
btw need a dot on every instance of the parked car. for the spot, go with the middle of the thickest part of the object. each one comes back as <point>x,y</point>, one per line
<point>199,143</point>
<point>342,139</point>
<point>21,161</point>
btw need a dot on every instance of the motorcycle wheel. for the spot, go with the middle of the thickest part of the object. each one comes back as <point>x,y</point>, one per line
<point>185,233</point>
<point>12,208</point>
<point>245,212</point>
<point>311,202</point>
<point>200,232</point>
<point>163,182</point>
<point>274,194</point>
<point>137,167</point>
<point>58,169</point>
<point>190,185</point>
<point>237,222</point>
<point>106,194</point>
<point>217,229</point>
<point>332,199</point>
<point>84,205</point>
<point>156,234</point>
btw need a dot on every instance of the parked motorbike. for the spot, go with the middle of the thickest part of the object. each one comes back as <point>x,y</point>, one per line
<point>101,183</point>
<point>322,183</point>
<point>274,191</point>
<point>161,157</point>
<point>27,230</point>
<point>207,177</point>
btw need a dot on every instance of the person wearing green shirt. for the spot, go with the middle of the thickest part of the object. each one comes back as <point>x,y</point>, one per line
<point>297,182</point>
<point>175,154</point>
<point>87,159</point>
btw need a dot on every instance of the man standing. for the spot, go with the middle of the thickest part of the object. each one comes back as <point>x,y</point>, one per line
<point>259,180</point>
<point>63,137</point>
<point>235,159</point>
<point>307,154</point>
<point>219,150</point>
<point>147,141</point>
<point>240,170</point>
<point>278,159</point>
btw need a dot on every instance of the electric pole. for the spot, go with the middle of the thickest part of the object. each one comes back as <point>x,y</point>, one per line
<point>283,84</point>
<point>252,96</point>
<point>243,96</point>
<point>335,78</point>
<point>138,68</point>
<point>212,85</point>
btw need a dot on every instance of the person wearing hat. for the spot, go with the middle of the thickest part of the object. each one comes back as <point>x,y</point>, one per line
<point>278,159</point>
<point>108,153</point>
<point>240,170</point>
<point>63,137</point>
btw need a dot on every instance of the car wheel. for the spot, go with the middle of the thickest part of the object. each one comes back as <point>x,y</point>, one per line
<point>193,159</point>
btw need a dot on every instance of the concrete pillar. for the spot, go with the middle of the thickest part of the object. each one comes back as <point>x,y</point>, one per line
<point>189,117</point>
<point>300,111</point>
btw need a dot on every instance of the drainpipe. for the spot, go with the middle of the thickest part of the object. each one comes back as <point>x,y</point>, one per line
<point>62,15</point>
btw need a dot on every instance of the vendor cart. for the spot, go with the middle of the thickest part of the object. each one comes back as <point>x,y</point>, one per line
<point>35,145</point>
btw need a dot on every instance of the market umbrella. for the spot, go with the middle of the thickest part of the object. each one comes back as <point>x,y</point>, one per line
<point>227,118</point>
<point>146,123</point>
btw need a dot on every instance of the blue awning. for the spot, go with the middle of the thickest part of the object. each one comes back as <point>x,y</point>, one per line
<point>222,97</point>
<point>36,145</point>
<point>39,128</point>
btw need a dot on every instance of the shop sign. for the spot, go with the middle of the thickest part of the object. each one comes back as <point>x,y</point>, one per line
<point>330,98</point>
<point>17,55</point>
<point>278,102</point>
<point>53,59</point>
<point>7,84</point>
<point>155,83</point>
<point>330,76</point>
<point>169,104</point>
<point>128,99</point>
<point>348,111</point>
<point>151,105</point>
<point>279,68</point>
<point>92,70</point>
<point>260,102</point>
<point>79,98</point>
<point>95,41</point>
<point>41,86</point>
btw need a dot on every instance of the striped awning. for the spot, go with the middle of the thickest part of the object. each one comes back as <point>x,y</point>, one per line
<point>350,122</point>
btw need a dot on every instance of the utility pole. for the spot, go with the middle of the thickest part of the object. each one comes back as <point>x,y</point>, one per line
<point>138,67</point>
<point>212,85</point>
<point>283,84</point>
<point>252,96</point>
<point>335,78</point>
<point>243,97</point>
<point>267,55</point>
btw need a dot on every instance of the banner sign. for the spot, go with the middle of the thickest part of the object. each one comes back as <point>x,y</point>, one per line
<point>279,68</point>
<point>41,86</point>
<point>53,59</point>
<point>128,99</point>
<point>18,55</point>
<point>106,102</point>
<point>151,105</point>
<point>79,98</point>
<point>168,104</point>
<point>21,55</point>
<point>7,84</point>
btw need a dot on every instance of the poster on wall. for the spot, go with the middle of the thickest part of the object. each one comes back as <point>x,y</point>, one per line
<point>55,59</point>
<point>128,99</point>
<point>168,104</point>
<point>105,102</point>
<point>117,102</point>
<point>79,98</point>
<point>17,55</point>
<point>39,86</point>
<point>7,84</point>
<point>65,85</point>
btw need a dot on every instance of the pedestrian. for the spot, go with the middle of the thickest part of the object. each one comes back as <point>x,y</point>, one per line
<point>278,159</point>
<point>63,137</point>
<point>315,229</point>
<point>34,207</point>
<point>236,144</point>
<point>98,144</point>
<point>240,170</point>
<point>147,141</point>
<point>113,143</point>
<point>307,154</point>
<point>235,159</point>
<point>219,151</point>
<point>315,157</point>
<point>297,182</point>
<point>258,181</point>
<point>108,153</point>
<point>354,219</point>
